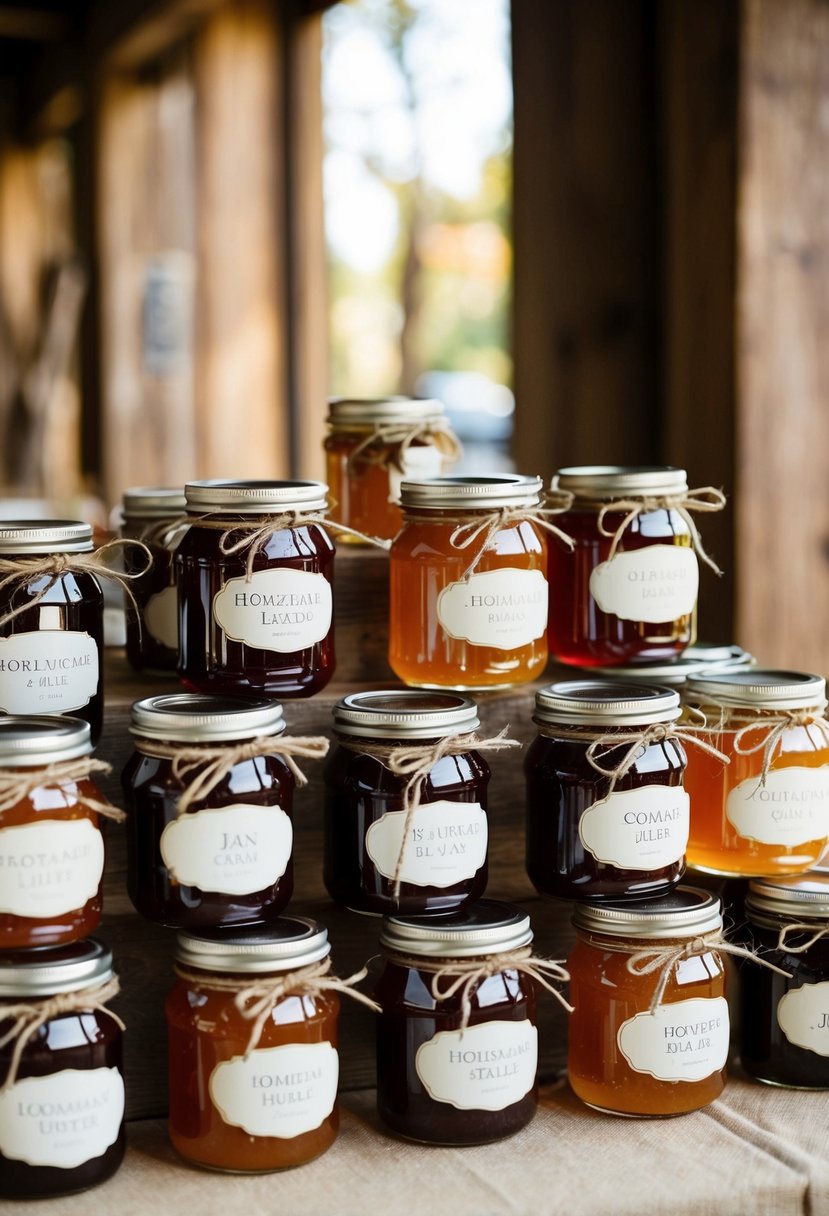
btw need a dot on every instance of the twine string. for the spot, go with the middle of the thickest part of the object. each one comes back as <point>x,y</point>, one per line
<point>17,784</point>
<point>663,959</point>
<point>705,499</point>
<point>772,730</point>
<point>816,935</point>
<point>388,442</point>
<point>483,529</point>
<point>602,746</point>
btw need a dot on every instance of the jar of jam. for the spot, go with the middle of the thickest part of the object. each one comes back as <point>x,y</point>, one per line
<point>246,1095</point>
<point>628,589</point>
<point>151,514</point>
<point>767,811</point>
<point>633,1049</point>
<point>51,844</point>
<point>371,446</point>
<point>51,622</point>
<point>442,1077</point>
<point>384,851</point>
<point>208,799</point>
<point>468,585</point>
<point>254,573</point>
<point>62,1095</point>
<point>594,832</point>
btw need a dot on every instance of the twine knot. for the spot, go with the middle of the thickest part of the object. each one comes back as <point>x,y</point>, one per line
<point>17,784</point>
<point>387,443</point>
<point>815,935</point>
<point>705,499</point>
<point>484,529</point>
<point>663,959</point>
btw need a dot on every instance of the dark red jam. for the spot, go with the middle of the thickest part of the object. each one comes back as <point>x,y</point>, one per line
<point>151,515</point>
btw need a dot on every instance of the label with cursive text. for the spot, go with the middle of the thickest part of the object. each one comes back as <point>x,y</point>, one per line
<point>504,608</point>
<point>683,1041</point>
<point>644,829</point>
<point>655,584</point>
<point>488,1067</point>
<point>791,808</point>
<point>235,850</point>
<point>48,671</point>
<point>277,1091</point>
<point>446,843</point>
<point>50,867</point>
<point>160,617</point>
<point>64,1119</point>
<point>803,1016</point>
<point>281,610</point>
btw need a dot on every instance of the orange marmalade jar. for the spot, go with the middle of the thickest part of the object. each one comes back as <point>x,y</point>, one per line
<point>468,586</point>
<point>765,813</point>
<point>624,1057</point>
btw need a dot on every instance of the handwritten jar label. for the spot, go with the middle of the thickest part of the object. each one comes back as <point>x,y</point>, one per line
<point>160,617</point>
<point>50,867</point>
<point>277,1091</point>
<point>64,1119</point>
<point>504,608</point>
<point>488,1067</point>
<point>280,610</point>
<point>235,850</point>
<point>683,1041</point>
<point>792,808</point>
<point>803,1016</point>
<point>446,844</point>
<point>644,829</point>
<point>48,671</point>
<point>655,584</point>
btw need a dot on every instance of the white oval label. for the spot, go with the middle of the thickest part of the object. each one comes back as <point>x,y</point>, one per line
<point>50,867</point>
<point>234,850</point>
<point>488,1067</point>
<point>644,829</point>
<point>281,610</point>
<point>791,809</point>
<point>655,584</point>
<point>446,844</point>
<point>683,1041</point>
<point>504,608</point>
<point>803,1016</point>
<point>64,1119</point>
<point>277,1091</point>
<point>48,671</point>
<point>160,617</point>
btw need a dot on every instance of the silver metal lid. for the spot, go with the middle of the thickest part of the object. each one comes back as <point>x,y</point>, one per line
<point>703,657</point>
<point>758,688</point>
<point>290,942</point>
<point>603,703</point>
<point>48,970</point>
<point>485,927</point>
<point>472,493</point>
<point>798,897</point>
<point>686,912</point>
<point>226,497</point>
<point>405,714</point>
<point>154,502</point>
<point>368,411</point>
<point>195,717</point>
<point>29,741</point>
<point>621,481</point>
<point>33,536</point>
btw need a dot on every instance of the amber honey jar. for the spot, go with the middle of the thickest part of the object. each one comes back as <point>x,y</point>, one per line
<point>153,514</point>
<point>371,446</point>
<point>61,1083</point>
<point>254,573</point>
<point>51,843</point>
<point>627,590</point>
<point>607,816</point>
<point>767,811</point>
<point>649,1031</point>
<point>468,583</point>
<point>406,826</point>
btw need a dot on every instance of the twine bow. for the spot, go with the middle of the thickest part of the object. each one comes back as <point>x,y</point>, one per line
<point>17,784</point>
<point>469,533</point>
<point>215,763</point>
<point>772,730</point>
<point>664,958</point>
<point>27,1018</point>
<point>816,936</point>
<point>399,438</point>
<point>705,499</point>
<point>637,742</point>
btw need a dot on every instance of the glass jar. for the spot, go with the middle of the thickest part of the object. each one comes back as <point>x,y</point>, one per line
<point>625,1058</point>
<point>745,822</point>
<point>638,602</point>
<point>150,515</point>
<point>784,1035</point>
<point>590,836</point>
<point>372,445</point>
<point>442,858</point>
<point>226,860</point>
<point>62,1116</point>
<point>254,573</point>
<point>51,653</point>
<point>51,844</point>
<point>469,610</point>
<point>437,1082</point>
<point>253,1110</point>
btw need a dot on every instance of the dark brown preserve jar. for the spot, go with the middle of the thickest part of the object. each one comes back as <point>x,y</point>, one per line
<point>254,574</point>
<point>151,515</point>
<point>62,1110</point>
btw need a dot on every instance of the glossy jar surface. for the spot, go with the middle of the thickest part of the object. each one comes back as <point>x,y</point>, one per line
<point>740,824</point>
<point>438,1085</point>
<point>51,654</point>
<point>277,1108</point>
<point>642,603</point>
<point>51,843</point>
<point>450,628</point>
<point>587,836</point>
<point>444,864</point>
<point>784,1033</point>
<point>271,634</point>
<point>151,515</point>
<point>72,1062</point>
<point>227,859</point>
<point>622,1058</point>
